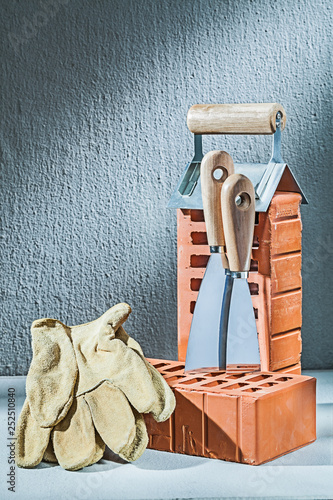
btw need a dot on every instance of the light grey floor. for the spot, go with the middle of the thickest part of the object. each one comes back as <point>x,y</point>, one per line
<point>304,474</point>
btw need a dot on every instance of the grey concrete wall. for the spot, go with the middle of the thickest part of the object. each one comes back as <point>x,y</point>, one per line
<point>93,109</point>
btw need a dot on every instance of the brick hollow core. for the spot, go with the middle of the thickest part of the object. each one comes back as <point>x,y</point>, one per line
<point>275,279</point>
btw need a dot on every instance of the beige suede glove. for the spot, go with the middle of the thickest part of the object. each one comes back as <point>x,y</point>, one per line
<point>87,386</point>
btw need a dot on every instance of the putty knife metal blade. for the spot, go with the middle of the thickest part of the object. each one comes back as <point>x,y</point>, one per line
<point>204,341</point>
<point>238,320</point>
<point>242,337</point>
<point>204,345</point>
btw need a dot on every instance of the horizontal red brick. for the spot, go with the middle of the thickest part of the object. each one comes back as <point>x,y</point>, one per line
<point>236,417</point>
<point>286,236</point>
<point>286,273</point>
<point>284,205</point>
<point>286,312</point>
<point>286,350</point>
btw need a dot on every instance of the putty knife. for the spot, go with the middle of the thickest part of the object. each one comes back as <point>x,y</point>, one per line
<point>238,320</point>
<point>206,347</point>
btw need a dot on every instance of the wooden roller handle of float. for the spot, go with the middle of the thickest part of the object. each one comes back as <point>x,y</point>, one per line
<point>238,213</point>
<point>216,167</point>
<point>257,118</point>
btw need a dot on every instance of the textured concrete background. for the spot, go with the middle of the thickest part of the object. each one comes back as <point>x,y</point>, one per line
<point>93,106</point>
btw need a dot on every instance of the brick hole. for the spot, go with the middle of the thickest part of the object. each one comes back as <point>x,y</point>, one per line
<point>254,266</point>
<point>186,211</point>
<point>255,312</point>
<point>214,383</point>
<point>192,306</point>
<point>283,379</point>
<point>237,386</point>
<point>173,378</point>
<point>259,377</point>
<point>214,374</point>
<point>242,367</point>
<point>254,288</point>
<point>256,219</point>
<point>195,284</point>
<point>236,375</point>
<point>159,365</point>
<point>199,238</point>
<point>192,381</point>
<point>199,260</point>
<point>174,369</point>
<point>268,384</point>
<point>197,216</point>
<point>286,217</point>
<point>255,243</point>
<point>252,389</point>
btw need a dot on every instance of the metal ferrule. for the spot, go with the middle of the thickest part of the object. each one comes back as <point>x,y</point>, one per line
<point>227,272</point>
<point>239,274</point>
<point>216,249</point>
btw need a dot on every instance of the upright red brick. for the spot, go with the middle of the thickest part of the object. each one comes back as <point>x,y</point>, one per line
<point>275,279</point>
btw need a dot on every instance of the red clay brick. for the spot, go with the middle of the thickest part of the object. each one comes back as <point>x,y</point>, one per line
<point>160,435</point>
<point>286,312</point>
<point>286,205</point>
<point>247,418</point>
<point>285,349</point>
<point>286,236</point>
<point>275,279</point>
<point>286,273</point>
<point>294,369</point>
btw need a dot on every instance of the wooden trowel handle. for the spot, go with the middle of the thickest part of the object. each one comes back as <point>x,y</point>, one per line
<point>215,168</point>
<point>254,118</point>
<point>238,213</point>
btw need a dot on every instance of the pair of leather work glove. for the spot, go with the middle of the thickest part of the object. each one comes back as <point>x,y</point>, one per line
<point>87,386</point>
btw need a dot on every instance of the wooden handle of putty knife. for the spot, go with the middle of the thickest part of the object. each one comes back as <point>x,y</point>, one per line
<point>216,166</point>
<point>254,118</point>
<point>238,213</point>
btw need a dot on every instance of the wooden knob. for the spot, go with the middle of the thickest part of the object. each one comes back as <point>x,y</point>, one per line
<point>215,168</point>
<point>256,118</point>
<point>238,213</point>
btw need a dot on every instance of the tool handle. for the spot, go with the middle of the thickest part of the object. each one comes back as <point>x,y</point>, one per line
<point>238,213</point>
<point>255,118</point>
<point>214,164</point>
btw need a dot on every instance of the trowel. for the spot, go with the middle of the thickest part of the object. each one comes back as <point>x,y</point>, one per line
<point>237,119</point>
<point>238,322</point>
<point>206,345</point>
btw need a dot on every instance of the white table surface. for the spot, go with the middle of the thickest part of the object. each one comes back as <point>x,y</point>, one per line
<point>304,474</point>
